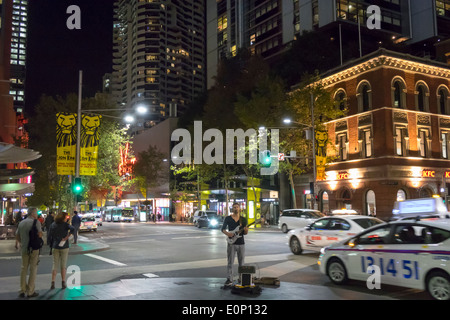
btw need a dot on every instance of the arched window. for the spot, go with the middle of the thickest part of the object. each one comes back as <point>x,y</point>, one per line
<point>398,93</point>
<point>421,96</point>
<point>443,100</point>
<point>341,100</point>
<point>364,96</point>
<point>401,195</point>
<point>370,203</point>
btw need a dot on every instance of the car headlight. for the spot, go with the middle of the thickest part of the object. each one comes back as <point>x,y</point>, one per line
<point>323,250</point>
<point>213,222</point>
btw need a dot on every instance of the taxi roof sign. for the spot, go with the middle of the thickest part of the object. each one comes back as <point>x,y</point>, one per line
<point>421,206</point>
<point>343,212</point>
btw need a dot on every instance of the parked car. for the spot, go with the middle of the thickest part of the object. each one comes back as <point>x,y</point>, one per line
<point>209,220</point>
<point>298,218</point>
<point>88,224</point>
<point>328,230</point>
<point>201,213</point>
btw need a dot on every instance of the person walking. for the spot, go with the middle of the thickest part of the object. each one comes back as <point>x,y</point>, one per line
<point>60,232</point>
<point>76,222</point>
<point>238,247</point>
<point>30,259</point>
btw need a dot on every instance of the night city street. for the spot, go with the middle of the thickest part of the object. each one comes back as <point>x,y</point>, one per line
<point>223,158</point>
<point>168,251</point>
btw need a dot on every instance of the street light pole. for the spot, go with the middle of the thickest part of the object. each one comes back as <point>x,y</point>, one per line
<point>314,152</point>
<point>80,88</point>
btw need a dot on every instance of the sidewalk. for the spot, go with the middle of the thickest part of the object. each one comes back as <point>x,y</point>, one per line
<point>155,288</point>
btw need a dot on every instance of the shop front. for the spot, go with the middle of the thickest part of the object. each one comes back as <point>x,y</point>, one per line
<point>373,191</point>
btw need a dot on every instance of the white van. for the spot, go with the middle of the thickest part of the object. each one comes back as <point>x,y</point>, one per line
<point>422,208</point>
<point>298,218</point>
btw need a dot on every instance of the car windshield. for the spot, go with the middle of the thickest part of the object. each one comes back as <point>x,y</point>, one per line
<point>88,219</point>
<point>127,213</point>
<point>367,222</point>
<point>211,214</point>
<point>316,214</point>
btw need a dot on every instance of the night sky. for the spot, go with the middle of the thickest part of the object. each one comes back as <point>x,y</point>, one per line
<point>55,54</point>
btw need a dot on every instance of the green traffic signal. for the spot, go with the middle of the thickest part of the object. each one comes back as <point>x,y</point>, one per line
<point>77,187</point>
<point>265,159</point>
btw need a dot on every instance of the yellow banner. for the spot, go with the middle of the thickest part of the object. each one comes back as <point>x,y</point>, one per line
<point>66,143</point>
<point>321,154</point>
<point>89,137</point>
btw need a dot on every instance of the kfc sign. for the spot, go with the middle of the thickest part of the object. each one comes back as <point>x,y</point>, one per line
<point>428,174</point>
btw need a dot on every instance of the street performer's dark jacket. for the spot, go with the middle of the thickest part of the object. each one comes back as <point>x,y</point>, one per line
<point>230,224</point>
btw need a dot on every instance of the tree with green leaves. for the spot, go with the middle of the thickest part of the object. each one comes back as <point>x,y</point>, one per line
<point>149,170</point>
<point>51,188</point>
<point>309,95</point>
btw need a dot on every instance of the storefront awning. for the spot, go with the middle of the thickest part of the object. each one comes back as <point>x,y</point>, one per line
<point>12,154</point>
<point>10,174</point>
<point>15,189</point>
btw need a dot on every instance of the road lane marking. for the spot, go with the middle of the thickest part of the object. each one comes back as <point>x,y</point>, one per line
<point>280,269</point>
<point>116,263</point>
<point>196,237</point>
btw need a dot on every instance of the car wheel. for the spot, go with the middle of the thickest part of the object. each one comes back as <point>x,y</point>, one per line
<point>295,245</point>
<point>438,285</point>
<point>284,228</point>
<point>336,271</point>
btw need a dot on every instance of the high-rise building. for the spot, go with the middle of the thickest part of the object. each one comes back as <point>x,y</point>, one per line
<point>7,114</point>
<point>159,54</point>
<point>263,26</point>
<point>267,27</point>
<point>18,53</point>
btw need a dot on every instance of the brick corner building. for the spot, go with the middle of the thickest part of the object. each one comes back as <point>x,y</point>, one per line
<point>394,142</point>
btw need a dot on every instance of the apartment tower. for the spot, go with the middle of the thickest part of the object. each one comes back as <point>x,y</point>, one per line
<point>158,58</point>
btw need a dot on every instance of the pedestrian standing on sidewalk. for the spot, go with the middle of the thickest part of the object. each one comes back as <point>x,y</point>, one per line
<point>30,259</point>
<point>76,222</point>
<point>238,247</point>
<point>60,232</point>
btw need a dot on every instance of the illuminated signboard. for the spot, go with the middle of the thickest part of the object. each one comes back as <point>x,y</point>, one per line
<point>417,206</point>
<point>343,175</point>
<point>428,174</point>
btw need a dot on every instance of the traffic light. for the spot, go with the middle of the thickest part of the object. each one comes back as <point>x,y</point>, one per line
<point>77,186</point>
<point>265,159</point>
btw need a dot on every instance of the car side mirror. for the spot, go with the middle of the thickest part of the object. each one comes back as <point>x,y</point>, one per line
<point>309,227</point>
<point>353,242</point>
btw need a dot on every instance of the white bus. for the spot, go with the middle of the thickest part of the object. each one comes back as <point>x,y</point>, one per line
<point>118,214</point>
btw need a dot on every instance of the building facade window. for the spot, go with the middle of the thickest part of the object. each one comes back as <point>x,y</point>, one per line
<point>421,96</point>
<point>365,142</point>
<point>444,144</point>
<point>340,99</point>
<point>443,100</point>
<point>364,96</point>
<point>424,142</point>
<point>370,203</point>
<point>401,195</point>
<point>342,146</point>
<point>398,91</point>
<point>401,139</point>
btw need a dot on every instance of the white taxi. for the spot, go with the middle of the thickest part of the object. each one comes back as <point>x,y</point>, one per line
<point>412,254</point>
<point>328,230</point>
